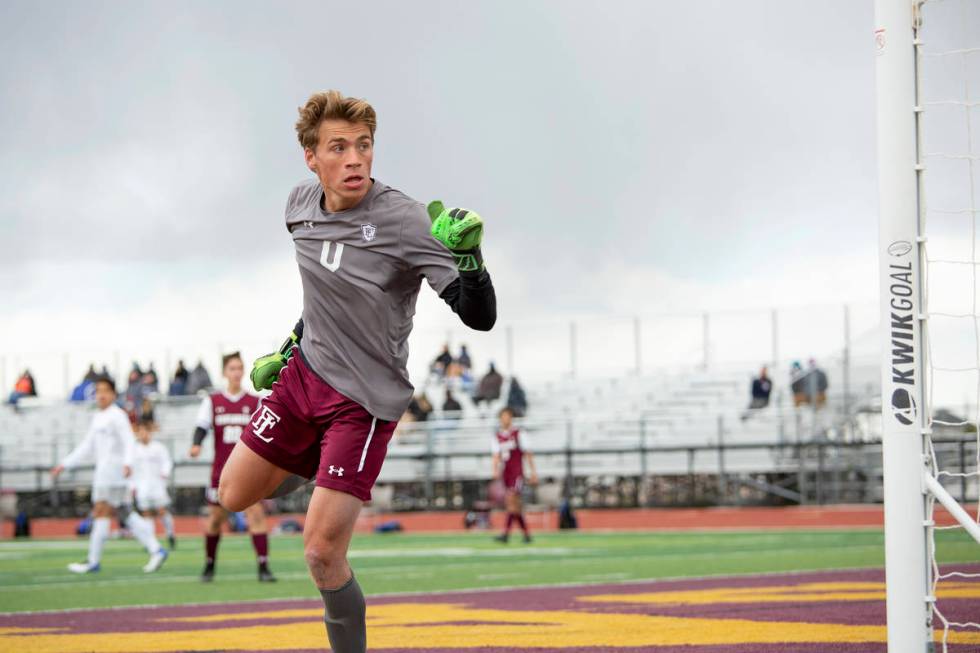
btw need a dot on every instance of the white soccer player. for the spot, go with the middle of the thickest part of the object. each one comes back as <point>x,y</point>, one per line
<point>110,443</point>
<point>152,466</point>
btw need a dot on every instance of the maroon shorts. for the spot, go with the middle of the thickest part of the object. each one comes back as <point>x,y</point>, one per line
<point>308,428</point>
<point>513,482</point>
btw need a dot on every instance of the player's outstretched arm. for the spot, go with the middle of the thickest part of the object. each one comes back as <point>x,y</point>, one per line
<point>265,370</point>
<point>471,296</point>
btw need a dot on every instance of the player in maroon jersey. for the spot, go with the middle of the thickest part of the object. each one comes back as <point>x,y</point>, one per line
<point>228,413</point>
<point>510,451</point>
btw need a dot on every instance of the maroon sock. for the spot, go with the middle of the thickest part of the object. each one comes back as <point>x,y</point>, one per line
<point>211,548</point>
<point>261,543</point>
<point>510,522</point>
<point>521,523</point>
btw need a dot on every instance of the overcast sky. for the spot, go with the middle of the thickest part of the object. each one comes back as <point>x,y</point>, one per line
<point>628,157</point>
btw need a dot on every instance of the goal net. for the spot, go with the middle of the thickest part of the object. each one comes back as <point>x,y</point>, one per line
<point>928,94</point>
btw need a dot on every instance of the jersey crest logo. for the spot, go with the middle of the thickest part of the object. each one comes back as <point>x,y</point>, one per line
<point>368,232</point>
<point>266,419</point>
<point>339,471</point>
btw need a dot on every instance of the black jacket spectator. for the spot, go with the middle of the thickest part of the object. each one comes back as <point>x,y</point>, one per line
<point>450,405</point>
<point>517,398</point>
<point>761,389</point>
<point>489,388</point>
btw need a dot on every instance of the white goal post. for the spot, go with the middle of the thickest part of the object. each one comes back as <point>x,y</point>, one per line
<point>910,486</point>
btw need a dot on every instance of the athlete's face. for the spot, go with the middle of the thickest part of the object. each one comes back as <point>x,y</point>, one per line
<point>234,371</point>
<point>143,433</point>
<point>506,419</point>
<point>342,161</point>
<point>104,395</point>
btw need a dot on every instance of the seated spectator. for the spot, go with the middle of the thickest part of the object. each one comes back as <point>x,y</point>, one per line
<point>450,405</point>
<point>24,387</point>
<point>761,389</point>
<point>442,362</point>
<point>464,358</point>
<point>420,407</point>
<point>797,379</point>
<point>816,387</point>
<point>85,390</point>
<point>91,374</point>
<point>516,398</point>
<point>198,380</point>
<point>489,388</point>
<point>150,380</point>
<point>809,386</point>
<point>178,386</point>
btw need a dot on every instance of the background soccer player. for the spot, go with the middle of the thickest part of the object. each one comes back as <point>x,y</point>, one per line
<point>363,249</point>
<point>228,412</point>
<point>152,466</point>
<point>510,451</point>
<point>110,442</point>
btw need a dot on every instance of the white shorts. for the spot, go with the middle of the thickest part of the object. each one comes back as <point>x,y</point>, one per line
<point>114,495</point>
<point>152,501</point>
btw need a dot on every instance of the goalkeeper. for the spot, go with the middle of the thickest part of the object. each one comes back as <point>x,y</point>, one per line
<point>363,249</point>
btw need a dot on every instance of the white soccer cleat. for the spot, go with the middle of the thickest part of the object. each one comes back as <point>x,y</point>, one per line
<point>83,568</point>
<point>156,561</point>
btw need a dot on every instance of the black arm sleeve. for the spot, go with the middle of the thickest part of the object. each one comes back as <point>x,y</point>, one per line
<point>199,435</point>
<point>471,296</point>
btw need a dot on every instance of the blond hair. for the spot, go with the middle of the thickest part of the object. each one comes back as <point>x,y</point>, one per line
<point>331,105</point>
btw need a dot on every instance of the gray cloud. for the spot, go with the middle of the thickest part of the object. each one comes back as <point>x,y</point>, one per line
<point>708,139</point>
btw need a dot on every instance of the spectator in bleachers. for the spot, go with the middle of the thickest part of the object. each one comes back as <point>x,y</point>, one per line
<point>809,386</point>
<point>178,386</point>
<point>24,387</point>
<point>151,382</point>
<point>761,389</point>
<point>198,380</point>
<point>442,362</point>
<point>797,381</point>
<point>816,384</point>
<point>516,398</point>
<point>490,385</point>
<point>85,390</point>
<point>420,407</point>
<point>450,405</point>
<point>464,358</point>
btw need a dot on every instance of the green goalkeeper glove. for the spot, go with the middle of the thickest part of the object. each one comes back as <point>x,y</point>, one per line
<point>461,231</point>
<point>265,370</point>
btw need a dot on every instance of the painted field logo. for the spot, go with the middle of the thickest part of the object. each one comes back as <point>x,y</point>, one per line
<point>903,406</point>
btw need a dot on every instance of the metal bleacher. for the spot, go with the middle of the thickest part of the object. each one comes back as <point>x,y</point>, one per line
<point>604,421</point>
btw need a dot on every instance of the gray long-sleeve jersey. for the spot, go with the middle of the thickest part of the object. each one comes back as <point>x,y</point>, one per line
<point>361,271</point>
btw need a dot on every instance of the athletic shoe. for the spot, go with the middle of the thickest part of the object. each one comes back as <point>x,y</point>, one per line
<point>265,576</point>
<point>527,539</point>
<point>207,575</point>
<point>172,541</point>
<point>156,561</point>
<point>84,568</point>
<point>501,538</point>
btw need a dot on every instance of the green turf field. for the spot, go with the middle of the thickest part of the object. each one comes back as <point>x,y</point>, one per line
<point>33,574</point>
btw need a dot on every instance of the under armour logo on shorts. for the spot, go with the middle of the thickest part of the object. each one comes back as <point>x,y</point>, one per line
<point>339,471</point>
<point>266,419</point>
